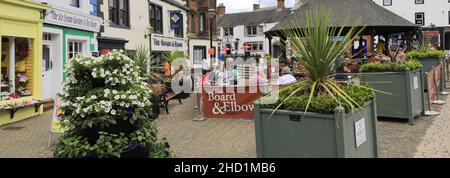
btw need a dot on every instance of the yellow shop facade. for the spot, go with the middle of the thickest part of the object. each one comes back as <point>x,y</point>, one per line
<point>21,24</point>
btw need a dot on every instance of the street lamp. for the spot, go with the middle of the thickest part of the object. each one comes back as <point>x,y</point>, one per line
<point>212,14</point>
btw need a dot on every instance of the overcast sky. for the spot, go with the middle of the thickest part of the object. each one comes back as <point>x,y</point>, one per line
<point>233,6</point>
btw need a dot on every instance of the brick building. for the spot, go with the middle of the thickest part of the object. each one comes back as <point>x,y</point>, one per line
<point>199,23</point>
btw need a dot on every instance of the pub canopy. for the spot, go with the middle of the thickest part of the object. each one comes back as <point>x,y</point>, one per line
<point>378,20</point>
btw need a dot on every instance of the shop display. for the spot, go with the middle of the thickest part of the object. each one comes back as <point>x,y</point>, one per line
<point>22,57</point>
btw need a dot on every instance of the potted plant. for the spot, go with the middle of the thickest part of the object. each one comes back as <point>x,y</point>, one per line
<point>429,58</point>
<point>107,110</point>
<point>403,86</point>
<point>317,117</point>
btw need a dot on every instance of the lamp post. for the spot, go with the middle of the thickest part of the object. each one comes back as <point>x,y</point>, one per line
<point>212,14</point>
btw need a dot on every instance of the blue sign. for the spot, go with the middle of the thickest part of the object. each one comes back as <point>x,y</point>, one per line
<point>176,20</point>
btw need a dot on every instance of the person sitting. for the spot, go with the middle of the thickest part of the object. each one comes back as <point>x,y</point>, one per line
<point>286,77</point>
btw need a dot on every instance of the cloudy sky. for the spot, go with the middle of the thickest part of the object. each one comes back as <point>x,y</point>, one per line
<point>233,6</point>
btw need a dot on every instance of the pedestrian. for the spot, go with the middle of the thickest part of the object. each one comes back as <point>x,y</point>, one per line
<point>235,74</point>
<point>286,77</point>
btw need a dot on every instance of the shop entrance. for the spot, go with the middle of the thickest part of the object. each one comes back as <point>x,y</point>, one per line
<point>47,71</point>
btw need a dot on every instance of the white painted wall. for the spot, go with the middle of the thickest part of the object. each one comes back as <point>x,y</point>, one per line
<point>85,5</point>
<point>436,11</point>
<point>240,33</point>
<point>168,34</point>
<point>137,33</point>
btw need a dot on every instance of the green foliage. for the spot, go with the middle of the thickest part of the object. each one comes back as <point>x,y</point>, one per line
<point>110,145</point>
<point>392,67</point>
<point>319,52</point>
<point>421,54</point>
<point>145,61</point>
<point>72,147</point>
<point>322,103</point>
<point>174,56</point>
<point>104,99</point>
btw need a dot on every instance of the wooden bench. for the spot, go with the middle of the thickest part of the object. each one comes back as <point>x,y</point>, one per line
<point>166,95</point>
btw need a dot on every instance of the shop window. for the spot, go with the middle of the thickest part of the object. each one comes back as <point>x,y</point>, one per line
<point>16,68</point>
<point>199,54</point>
<point>75,48</point>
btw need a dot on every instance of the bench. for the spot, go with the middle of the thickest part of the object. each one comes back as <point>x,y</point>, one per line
<point>166,95</point>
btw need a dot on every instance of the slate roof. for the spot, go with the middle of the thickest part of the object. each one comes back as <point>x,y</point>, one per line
<point>370,13</point>
<point>252,18</point>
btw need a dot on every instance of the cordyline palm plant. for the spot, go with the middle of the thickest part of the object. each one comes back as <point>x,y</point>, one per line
<point>319,51</point>
<point>146,63</point>
<point>174,56</point>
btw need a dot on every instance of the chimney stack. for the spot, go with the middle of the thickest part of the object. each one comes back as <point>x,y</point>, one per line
<point>280,4</point>
<point>256,7</point>
<point>221,9</point>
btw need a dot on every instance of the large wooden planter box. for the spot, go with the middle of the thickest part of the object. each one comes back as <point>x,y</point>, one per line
<point>289,135</point>
<point>405,100</point>
<point>429,63</point>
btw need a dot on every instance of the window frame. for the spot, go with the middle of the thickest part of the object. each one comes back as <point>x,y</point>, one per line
<point>387,4</point>
<point>422,19</point>
<point>116,20</point>
<point>77,5</point>
<point>157,21</point>
<point>415,2</point>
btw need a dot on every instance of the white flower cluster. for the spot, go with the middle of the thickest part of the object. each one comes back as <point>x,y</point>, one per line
<point>110,100</point>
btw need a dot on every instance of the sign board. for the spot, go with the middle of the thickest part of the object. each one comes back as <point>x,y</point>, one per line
<point>160,43</point>
<point>233,104</point>
<point>176,20</point>
<point>360,132</point>
<point>73,20</point>
<point>416,83</point>
<point>211,51</point>
<point>56,118</point>
<point>431,38</point>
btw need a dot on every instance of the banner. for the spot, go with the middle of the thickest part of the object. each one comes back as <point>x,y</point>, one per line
<point>431,79</point>
<point>221,103</point>
<point>56,119</point>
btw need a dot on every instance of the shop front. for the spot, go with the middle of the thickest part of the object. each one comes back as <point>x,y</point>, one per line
<point>21,66</point>
<point>162,45</point>
<point>66,34</point>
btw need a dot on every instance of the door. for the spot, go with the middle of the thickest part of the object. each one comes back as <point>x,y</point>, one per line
<point>47,72</point>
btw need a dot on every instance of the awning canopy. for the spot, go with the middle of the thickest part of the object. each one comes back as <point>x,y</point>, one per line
<point>377,19</point>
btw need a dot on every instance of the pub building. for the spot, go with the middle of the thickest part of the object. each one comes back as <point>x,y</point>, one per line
<point>168,32</point>
<point>21,66</point>
<point>69,29</point>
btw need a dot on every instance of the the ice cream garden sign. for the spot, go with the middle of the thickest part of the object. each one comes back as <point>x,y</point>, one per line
<point>65,18</point>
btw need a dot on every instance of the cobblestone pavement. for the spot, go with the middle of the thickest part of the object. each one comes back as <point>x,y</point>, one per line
<point>213,138</point>
<point>234,138</point>
<point>436,142</point>
<point>27,138</point>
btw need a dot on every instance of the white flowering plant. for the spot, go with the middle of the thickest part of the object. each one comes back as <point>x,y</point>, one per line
<point>106,103</point>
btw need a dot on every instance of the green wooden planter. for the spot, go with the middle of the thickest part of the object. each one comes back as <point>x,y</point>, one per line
<point>429,63</point>
<point>405,100</point>
<point>289,135</point>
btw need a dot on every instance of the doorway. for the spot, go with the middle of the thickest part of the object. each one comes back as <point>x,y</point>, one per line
<point>47,71</point>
